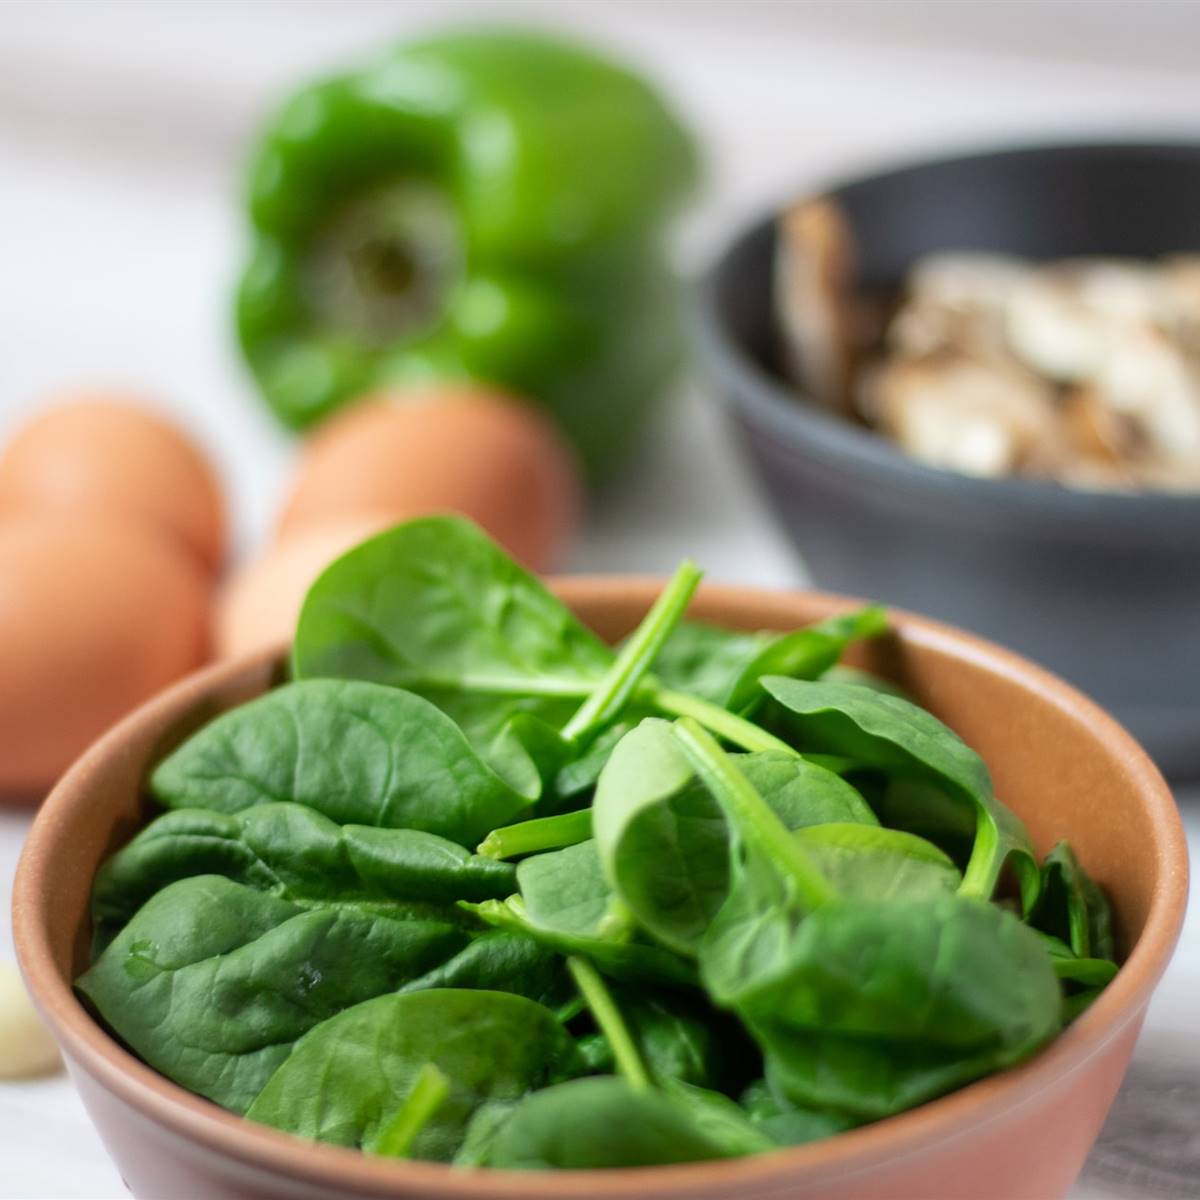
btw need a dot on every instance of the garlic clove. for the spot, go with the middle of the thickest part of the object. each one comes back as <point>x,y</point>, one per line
<point>26,1048</point>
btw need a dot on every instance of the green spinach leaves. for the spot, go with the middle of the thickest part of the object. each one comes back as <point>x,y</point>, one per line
<point>359,753</point>
<point>212,982</point>
<point>476,888</point>
<point>348,1079</point>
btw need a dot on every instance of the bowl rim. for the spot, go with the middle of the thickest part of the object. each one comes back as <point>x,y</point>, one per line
<point>798,421</point>
<point>957,1114</point>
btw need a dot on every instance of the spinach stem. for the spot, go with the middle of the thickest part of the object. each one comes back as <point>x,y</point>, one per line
<point>742,733</point>
<point>608,1017</point>
<point>751,815</point>
<point>429,1091</point>
<point>983,867</point>
<point>637,655</point>
<point>570,688</point>
<point>541,833</point>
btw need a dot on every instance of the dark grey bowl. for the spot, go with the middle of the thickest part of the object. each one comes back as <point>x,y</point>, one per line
<point>1102,588</point>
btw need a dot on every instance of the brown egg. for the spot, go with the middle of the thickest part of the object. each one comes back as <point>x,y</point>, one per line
<point>496,460</point>
<point>95,616</point>
<point>99,453</point>
<point>257,606</point>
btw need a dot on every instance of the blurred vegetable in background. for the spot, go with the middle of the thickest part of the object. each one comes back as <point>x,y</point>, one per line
<point>488,206</point>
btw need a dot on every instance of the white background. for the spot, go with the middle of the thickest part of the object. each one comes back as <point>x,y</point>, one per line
<point>123,127</point>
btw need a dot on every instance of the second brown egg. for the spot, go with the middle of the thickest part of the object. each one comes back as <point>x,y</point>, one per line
<point>494,459</point>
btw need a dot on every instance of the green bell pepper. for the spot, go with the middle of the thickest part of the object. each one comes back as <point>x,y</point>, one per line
<point>486,206</point>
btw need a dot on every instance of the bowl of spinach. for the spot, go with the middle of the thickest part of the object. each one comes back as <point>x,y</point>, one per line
<point>608,888</point>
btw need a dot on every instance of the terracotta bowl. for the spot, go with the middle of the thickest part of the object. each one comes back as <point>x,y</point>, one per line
<point>1061,762</point>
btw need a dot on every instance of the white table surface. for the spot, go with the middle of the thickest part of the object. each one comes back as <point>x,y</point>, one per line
<point>121,132</point>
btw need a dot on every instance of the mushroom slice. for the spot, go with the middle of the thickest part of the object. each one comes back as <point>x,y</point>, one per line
<point>1088,474</point>
<point>1181,283</point>
<point>813,296</point>
<point>956,302</point>
<point>967,279</point>
<point>1061,319</point>
<point>1178,474</point>
<point>1147,378</point>
<point>1097,432</point>
<point>1121,290</point>
<point>962,414</point>
<point>1053,331</point>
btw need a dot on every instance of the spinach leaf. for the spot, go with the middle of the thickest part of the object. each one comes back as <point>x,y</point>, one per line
<point>678,1037</point>
<point>500,961</point>
<point>435,607</point>
<point>718,1118</point>
<point>724,666</point>
<point>357,752</point>
<point>773,881</point>
<point>430,1090</point>
<point>868,862</point>
<point>663,838</point>
<point>482,1129</point>
<point>600,1122</point>
<point>345,1080</point>
<point>660,838</point>
<point>565,770</point>
<point>841,673</point>
<point>802,792</point>
<point>1072,968</point>
<point>565,891</point>
<point>706,660</point>
<point>892,735</point>
<point>804,653</point>
<point>527,754</point>
<point>212,982</point>
<point>923,809</point>
<point>294,852</point>
<point>866,1079</point>
<point>872,1007</point>
<point>787,1125</point>
<point>677,1040</point>
<point>808,970</point>
<point>629,961</point>
<point>579,776</point>
<point>1072,907</point>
